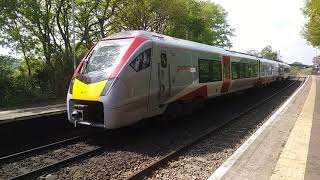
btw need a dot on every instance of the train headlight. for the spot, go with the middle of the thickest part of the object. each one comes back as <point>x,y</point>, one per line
<point>108,86</point>
<point>71,85</point>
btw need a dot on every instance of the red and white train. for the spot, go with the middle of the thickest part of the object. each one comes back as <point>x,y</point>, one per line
<point>134,75</point>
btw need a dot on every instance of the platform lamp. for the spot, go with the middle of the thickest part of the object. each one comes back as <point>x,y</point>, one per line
<point>74,37</point>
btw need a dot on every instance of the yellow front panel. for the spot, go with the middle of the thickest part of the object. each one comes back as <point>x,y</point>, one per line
<point>90,92</point>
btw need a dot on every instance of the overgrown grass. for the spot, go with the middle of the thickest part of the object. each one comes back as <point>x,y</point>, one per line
<point>304,71</point>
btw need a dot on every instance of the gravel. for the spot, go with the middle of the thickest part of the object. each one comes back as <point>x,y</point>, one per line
<point>200,161</point>
<point>23,135</point>
<point>28,164</point>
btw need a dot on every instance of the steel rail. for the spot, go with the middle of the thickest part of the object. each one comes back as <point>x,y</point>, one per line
<point>41,170</point>
<point>7,158</point>
<point>71,159</point>
<point>174,153</point>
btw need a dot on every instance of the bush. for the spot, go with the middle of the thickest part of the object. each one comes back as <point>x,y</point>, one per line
<point>18,87</point>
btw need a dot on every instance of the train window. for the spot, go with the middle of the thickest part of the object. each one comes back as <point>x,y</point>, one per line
<point>265,69</point>
<point>256,70</point>
<point>244,70</point>
<point>209,71</point>
<point>235,70</point>
<point>142,61</point>
<point>204,71</point>
<point>102,58</point>
<point>216,71</point>
<point>253,70</point>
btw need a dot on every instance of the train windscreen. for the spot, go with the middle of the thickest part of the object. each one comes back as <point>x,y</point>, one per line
<point>104,56</point>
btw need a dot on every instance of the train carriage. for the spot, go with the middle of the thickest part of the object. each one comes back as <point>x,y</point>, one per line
<point>269,71</point>
<point>244,72</point>
<point>134,75</point>
<point>284,71</point>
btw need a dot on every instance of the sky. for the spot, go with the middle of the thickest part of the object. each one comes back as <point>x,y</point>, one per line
<point>277,23</point>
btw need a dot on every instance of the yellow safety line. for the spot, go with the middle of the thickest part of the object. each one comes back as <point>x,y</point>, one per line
<point>293,159</point>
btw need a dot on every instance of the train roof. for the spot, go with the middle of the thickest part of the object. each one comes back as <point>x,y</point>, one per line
<point>177,42</point>
<point>183,44</point>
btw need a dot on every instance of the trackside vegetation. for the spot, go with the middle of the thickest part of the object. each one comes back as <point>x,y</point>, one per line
<point>40,33</point>
<point>311,30</point>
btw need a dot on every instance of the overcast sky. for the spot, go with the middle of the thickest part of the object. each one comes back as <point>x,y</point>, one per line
<point>278,23</point>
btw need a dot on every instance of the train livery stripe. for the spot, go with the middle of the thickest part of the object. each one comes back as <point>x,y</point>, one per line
<point>225,86</point>
<point>90,92</point>
<point>135,44</point>
<point>226,74</point>
<point>200,92</point>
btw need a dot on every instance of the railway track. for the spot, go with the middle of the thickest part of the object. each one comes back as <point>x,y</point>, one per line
<point>96,150</point>
<point>41,170</point>
<point>144,172</point>
<point>51,146</point>
<point>28,152</point>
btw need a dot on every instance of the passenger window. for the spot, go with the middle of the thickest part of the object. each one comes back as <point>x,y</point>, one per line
<point>244,70</point>
<point>142,61</point>
<point>209,71</point>
<point>235,70</point>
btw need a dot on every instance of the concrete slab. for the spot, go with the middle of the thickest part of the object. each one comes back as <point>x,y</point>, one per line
<point>292,161</point>
<point>8,116</point>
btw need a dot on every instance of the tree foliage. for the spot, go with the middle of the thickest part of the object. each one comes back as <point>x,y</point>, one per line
<point>199,21</point>
<point>311,30</point>
<point>316,60</point>
<point>41,30</point>
<point>269,53</point>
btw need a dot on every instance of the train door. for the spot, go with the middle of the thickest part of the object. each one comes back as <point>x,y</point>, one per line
<point>226,74</point>
<point>164,77</point>
<point>139,80</point>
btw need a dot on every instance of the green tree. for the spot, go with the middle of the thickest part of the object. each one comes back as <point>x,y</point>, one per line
<point>267,52</point>
<point>311,30</point>
<point>199,21</point>
<point>7,66</point>
<point>206,23</point>
<point>41,30</point>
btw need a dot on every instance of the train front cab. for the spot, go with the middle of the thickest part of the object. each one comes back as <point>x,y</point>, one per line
<point>110,88</point>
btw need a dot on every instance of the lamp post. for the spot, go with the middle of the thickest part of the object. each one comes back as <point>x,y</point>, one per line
<point>74,37</point>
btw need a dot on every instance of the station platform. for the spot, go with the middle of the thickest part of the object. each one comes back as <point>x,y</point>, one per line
<point>7,116</point>
<point>286,146</point>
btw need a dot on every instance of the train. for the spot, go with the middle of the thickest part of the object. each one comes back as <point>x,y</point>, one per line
<point>134,75</point>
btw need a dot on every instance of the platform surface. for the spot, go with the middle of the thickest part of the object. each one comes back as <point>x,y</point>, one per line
<point>8,116</point>
<point>287,148</point>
